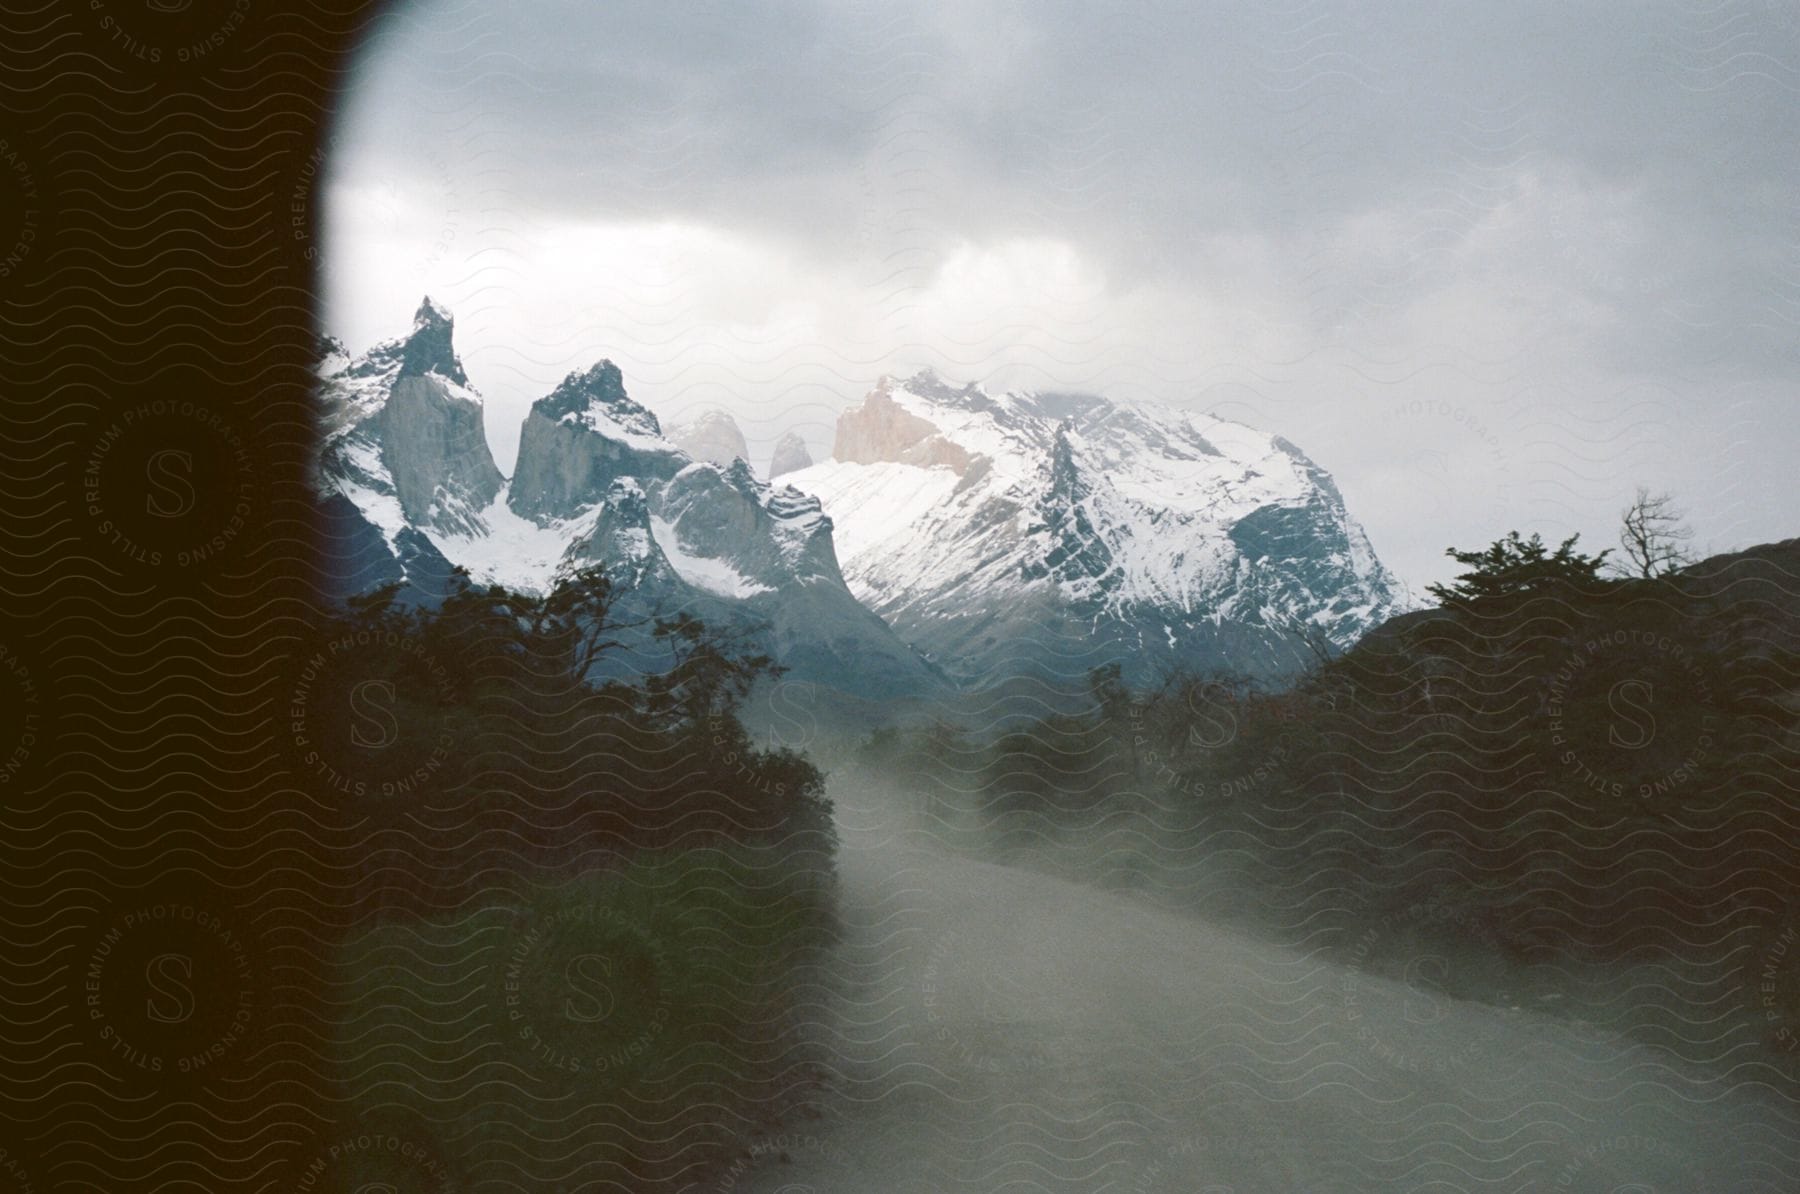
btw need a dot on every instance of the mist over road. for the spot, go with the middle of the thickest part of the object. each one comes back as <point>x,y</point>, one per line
<point>1000,1029</point>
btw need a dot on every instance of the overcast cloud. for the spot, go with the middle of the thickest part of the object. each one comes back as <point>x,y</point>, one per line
<point>1493,265</point>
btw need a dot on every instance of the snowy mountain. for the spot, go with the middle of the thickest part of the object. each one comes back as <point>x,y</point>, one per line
<point>405,431</point>
<point>409,489</point>
<point>790,456</point>
<point>990,539</point>
<point>1042,535</point>
<point>714,436</point>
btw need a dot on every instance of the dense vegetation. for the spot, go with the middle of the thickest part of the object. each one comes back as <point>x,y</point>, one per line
<point>573,932</point>
<point>1556,774</point>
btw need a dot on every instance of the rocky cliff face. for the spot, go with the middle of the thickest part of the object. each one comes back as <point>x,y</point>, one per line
<point>713,437</point>
<point>882,430</point>
<point>1014,537</point>
<point>730,515</point>
<point>402,428</point>
<point>790,456</point>
<point>435,447</point>
<point>409,490</point>
<point>578,439</point>
<point>1041,535</point>
<point>620,538</point>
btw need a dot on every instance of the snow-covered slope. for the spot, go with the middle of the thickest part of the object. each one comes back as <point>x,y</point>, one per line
<point>1045,534</point>
<point>1014,536</point>
<point>409,489</point>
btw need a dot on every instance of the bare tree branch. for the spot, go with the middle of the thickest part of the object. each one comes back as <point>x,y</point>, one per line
<point>1653,535</point>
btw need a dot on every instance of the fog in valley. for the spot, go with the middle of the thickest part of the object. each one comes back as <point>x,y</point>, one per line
<point>1101,1015</point>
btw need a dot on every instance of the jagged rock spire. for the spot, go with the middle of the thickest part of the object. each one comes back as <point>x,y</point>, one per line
<point>428,347</point>
<point>790,456</point>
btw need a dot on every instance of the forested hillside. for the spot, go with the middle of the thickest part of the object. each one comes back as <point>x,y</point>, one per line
<point>579,914</point>
<point>1544,785</point>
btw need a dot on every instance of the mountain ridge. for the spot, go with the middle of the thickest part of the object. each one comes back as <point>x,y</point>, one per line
<point>953,533</point>
<point>1050,533</point>
<point>409,492</point>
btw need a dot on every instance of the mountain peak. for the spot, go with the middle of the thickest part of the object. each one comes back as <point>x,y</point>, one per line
<point>330,355</point>
<point>431,312</point>
<point>929,384</point>
<point>740,474</point>
<point>599,390</point>
<point>790,456</point>
<point>603,379</point>
<point>580,437</point>
<point>713,436</point>
<point>406,478</point>
<point>1040,528</point>
<point>884,428</point>
<point>429,347</point>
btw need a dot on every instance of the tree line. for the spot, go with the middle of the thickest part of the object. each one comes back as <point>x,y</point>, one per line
<point>569,933</point>
<point>1566,758</point>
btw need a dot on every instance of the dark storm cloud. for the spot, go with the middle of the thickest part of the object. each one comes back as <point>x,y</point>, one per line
<point>1145,130</point>
<point>1548,199</point>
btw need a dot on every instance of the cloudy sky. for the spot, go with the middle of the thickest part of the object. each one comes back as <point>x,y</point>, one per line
<point>1493,265</point>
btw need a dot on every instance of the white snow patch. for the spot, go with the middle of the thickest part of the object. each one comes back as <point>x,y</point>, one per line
<point>381,509</point>
<point>703,572</point>
<point>1160,490</point>
<point>516,552</point>
<point>597,418</point>
<point>869,503</point>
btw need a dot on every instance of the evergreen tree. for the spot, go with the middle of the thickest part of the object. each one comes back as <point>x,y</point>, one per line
<point>1515,565</point>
